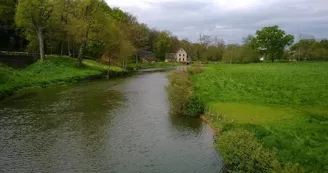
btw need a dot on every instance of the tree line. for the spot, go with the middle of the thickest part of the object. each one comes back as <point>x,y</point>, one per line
<point>92,29</point>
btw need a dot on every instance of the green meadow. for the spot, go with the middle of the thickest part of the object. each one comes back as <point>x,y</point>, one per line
<point>285,105</point>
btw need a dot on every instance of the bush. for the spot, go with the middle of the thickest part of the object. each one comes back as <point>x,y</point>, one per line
<point>195,106</point>
<point>241,152</point>
<point>180,92</point>
<point>195,68</point>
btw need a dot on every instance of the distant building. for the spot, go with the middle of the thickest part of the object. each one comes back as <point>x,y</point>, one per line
<point>146,56</point>
<point>180,56</point>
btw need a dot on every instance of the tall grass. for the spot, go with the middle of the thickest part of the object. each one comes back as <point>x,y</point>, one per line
<point>284,105</point>
<point>181,98</point>
<point>195,68</point>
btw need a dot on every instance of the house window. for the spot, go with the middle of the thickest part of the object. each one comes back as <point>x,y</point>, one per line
<point>183,54</point>
<point>179,59</point>
<point>179,54</point>
<point>183,59</point>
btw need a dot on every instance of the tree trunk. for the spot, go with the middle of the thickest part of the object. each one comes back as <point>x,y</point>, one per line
<point>68,47</point>
<point>272,59</point>
<point>80,56</point>
<point>41,43</point>
<point>61,49</point>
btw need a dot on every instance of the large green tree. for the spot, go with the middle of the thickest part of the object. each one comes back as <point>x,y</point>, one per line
<point>33,16</point>
<point>272,40</point>
<point>162,45</point>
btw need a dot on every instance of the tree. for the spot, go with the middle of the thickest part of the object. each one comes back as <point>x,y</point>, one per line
<point>82,21</point>
<point>248,39</point>
<point>240,54</point>
<point>273,41</point>
<point>162,45</point>
<point>33,17</point>
<point>10,37</point>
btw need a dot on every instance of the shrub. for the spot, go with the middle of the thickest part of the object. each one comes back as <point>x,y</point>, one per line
<point>195,106</point>
<point>180,92</point>
<point>241,152</point>
<point>195,68</point>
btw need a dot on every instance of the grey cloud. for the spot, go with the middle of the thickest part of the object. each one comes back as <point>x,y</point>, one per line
<point>188,19</point>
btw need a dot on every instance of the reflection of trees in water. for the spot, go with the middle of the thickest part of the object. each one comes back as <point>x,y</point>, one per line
<point>183,123</point>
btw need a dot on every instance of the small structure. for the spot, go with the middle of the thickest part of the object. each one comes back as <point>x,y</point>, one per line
<point>146,56</point>
<point>180,56</point>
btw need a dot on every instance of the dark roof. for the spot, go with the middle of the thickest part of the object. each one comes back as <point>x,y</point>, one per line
<point>170,55</point>
<point>144,53</point>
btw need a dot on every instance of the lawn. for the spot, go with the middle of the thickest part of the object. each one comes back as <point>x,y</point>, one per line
<point>53,70</point>
<point>284,104</point>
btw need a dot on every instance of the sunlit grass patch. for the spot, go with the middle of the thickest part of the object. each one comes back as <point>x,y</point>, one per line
<point>251,113</point>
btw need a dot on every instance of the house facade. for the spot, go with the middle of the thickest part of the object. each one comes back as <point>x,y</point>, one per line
<point>180,56</point>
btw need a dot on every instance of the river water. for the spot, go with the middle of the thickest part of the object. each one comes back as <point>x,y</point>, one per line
<point>121,125</point>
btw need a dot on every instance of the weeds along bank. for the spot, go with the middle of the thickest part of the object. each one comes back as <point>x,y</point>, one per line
<point>53,70</point>
<point>271,117</point>
<point>180,90</point>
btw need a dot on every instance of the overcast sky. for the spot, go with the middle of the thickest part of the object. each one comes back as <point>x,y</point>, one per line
<point>229,19</point>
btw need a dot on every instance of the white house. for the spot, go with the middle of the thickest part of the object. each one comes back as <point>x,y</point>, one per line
<point>180,56</point>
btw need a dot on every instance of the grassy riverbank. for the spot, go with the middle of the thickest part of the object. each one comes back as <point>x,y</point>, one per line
<point>52,70</point>
<point>283,105</point>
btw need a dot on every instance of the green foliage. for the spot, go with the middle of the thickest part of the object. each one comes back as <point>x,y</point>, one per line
<point>273,41</point>
<point>195,106</point>
<point>195,68</point>
<point>162,45</point>
<point>33,17</point>
<point>54,69</point>
<point>180,92</point>
<point>284,105</point>
<point>240,54</point>
<point>310,50</point>
<point>243,153</point>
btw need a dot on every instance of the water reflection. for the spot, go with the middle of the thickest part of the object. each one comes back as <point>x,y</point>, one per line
<point>186,124</point>
<point>105,126</point>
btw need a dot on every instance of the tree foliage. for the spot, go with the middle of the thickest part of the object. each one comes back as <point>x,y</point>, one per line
<point>33,16</point>
<point>240,54</point>
<point>272,40</point>
<point>93,29</point>
<point>310,49</point>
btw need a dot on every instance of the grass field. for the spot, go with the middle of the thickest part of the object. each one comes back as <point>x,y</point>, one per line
<point>284,104</point>
<point>52,70</point>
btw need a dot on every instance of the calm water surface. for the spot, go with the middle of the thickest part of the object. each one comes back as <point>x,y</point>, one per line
<point>103,126</point>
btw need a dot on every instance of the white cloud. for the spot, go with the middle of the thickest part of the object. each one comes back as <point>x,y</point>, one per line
<point>229,19</point>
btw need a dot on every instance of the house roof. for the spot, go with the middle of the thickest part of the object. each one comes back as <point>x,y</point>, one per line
<point>170,55</point>
<point>144,53</point>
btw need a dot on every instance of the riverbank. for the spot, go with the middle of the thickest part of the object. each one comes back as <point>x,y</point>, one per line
<point>279,108</point>
<point>54,69</point>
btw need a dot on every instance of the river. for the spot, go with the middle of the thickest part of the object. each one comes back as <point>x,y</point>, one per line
<point>120,125</point>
